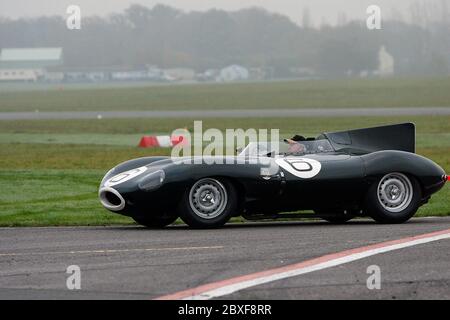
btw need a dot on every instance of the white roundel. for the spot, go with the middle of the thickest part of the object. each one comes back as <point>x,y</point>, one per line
<point>124,176</point>
<point>304,168</point>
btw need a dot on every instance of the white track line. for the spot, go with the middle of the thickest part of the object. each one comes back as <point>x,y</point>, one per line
<point>106,251</point>
<point>229,286</point>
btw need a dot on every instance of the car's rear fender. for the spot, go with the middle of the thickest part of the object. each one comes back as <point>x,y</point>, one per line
<point>429,175</point>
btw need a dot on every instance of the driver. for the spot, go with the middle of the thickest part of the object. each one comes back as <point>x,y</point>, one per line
<point>294,145</point>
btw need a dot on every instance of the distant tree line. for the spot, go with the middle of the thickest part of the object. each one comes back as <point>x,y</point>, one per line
<point>168,37</point>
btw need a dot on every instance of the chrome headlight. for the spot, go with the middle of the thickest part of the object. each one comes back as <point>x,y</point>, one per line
<point>152,180</point>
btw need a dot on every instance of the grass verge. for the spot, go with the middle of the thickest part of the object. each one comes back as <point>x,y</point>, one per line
<point>350,93</point>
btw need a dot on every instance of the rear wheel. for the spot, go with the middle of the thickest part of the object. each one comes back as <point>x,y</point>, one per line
<point>209,203</point>
<point>394,198</point>
<point>155,222</point>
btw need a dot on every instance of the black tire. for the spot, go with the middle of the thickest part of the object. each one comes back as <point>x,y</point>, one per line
<point>193,212</point>
<point>378,210</point>
<point>155,222</point>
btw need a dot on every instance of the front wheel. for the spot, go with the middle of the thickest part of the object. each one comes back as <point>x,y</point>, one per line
<point>155,222</point>
<point>394,198</point>
<point>208,203</point>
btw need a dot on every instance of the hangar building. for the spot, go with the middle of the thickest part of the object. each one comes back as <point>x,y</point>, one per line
<point>28,64</point>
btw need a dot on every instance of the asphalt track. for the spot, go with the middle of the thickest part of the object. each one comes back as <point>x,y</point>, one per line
<point>136,263</point>
<point>231,113</point>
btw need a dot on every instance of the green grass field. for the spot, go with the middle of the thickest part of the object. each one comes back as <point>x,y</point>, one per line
<point>50,170</point>
<point>352,93</point>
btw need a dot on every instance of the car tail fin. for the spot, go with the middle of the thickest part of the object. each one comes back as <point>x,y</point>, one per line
<point>361,141</point>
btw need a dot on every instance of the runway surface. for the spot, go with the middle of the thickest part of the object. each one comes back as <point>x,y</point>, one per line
<point>231,113</point>
<point>137,263</point>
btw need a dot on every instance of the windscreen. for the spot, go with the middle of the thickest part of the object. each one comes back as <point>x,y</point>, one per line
<point>282,148</point>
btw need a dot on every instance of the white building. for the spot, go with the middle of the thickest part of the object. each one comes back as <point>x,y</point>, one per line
<point>179,74</point>
<point>233,73</point>
<point>386,63</point>
<point>19,75</point>
<point>27,64</point>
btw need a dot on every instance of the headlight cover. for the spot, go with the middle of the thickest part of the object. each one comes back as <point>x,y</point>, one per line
<point>152,181</point>
<point>125,176</point>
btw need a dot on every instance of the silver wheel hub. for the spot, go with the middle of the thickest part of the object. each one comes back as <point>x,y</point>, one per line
<point>208,198</point>
<point>395,192</point>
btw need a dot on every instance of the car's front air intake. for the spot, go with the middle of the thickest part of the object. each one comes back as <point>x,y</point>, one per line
<point>111,199</point>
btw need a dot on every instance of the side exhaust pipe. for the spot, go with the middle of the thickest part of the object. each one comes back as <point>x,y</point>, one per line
<point>111,199</point>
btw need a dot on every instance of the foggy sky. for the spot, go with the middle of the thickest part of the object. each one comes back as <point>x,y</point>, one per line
<point>322,11</point>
